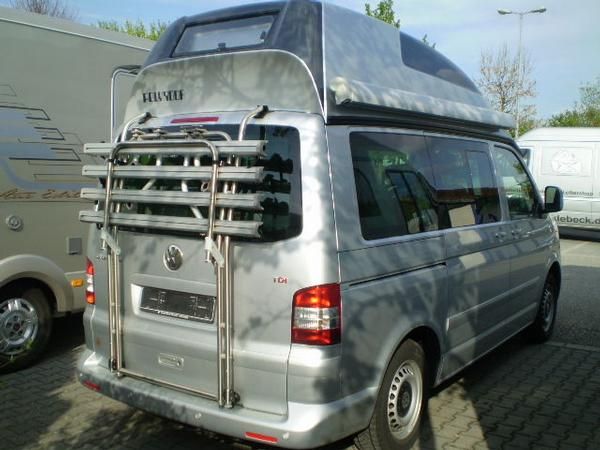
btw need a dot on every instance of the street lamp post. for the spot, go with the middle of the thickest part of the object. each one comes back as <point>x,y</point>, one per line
<point>519,68</point>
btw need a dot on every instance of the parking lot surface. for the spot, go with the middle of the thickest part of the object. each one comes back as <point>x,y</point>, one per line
<point>519,396</point>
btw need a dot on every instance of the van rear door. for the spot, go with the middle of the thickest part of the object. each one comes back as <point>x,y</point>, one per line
<point>169,315</point>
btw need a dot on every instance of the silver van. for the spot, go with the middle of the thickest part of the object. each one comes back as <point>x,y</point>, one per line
<point>306,269</point>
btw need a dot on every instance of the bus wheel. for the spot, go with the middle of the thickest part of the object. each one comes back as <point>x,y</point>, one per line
<point>541,329</point>
<point>400,403</point>
<point>25,326</point>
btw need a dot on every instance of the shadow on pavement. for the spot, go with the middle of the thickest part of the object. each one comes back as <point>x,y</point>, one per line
<point>519,396</point>
<point>45,407</point>
<point>578,320</point>
<point>67,333</point>
<point>31,398</point>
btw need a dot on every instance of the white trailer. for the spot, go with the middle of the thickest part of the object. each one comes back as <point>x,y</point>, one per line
<point>568,158</point>
<point>55,76</point>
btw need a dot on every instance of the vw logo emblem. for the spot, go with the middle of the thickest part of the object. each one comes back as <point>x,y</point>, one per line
<point>173,257</point>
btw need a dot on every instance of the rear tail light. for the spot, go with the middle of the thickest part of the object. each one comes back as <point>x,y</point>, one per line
<point>317,315</point>
<point>91,385</point>
<point>90,295</point>
<point>261,437</point>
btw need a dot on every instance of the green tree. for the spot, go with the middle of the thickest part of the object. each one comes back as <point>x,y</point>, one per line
<point>528,123</point>
<point>383,11</point>
<point>585,113</point>
<point>426,41</point>
<point>138,29</point>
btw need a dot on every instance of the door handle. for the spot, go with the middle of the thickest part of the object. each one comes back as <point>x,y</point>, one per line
<point>500,235</point>
<point>518,232</point>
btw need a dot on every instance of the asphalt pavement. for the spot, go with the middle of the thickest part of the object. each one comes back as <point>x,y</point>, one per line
<point>519,396</point>
<point>578,320</point>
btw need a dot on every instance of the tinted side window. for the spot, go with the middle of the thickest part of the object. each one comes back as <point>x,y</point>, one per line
<point>518,188</point>
<point>526,155</point>
<point>487,199</point>
<point>394,194</point>
<point>421,57</point>
<point>464,182</point>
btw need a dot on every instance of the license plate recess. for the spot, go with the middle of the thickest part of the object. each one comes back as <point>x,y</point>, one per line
<point>181,305</point>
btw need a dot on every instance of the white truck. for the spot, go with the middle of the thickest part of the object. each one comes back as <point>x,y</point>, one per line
<point>570,159</point>
<point>54,79</point>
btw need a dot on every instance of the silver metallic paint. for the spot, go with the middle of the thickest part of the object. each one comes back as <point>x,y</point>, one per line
<point>452,282</point>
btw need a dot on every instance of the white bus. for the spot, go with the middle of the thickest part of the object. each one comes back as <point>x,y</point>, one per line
<point>54,79</point>
<point>570,159</point>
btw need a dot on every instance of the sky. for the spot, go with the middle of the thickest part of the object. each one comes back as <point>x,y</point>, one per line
<point>563,43</point>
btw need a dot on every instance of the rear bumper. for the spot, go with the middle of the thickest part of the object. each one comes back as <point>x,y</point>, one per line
<point>305,425</point>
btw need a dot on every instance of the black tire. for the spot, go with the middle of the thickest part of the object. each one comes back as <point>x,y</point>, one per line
<point>543,326</point>
<point>25,327</point>
<point>400,403</point>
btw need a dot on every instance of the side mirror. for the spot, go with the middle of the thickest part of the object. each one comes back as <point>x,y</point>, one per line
<point>553,199</point>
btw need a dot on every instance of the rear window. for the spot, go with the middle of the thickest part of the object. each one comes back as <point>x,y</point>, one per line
<point>281,198</point>
<point>227,35</point>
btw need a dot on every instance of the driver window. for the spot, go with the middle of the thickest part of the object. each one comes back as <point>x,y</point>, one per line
<point>518,188</point>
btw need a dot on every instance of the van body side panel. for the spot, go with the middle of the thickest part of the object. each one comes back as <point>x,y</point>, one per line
<point>391,286</point>
<point>476,239</point>
<point>381,311</point>
<point>478,260</point>
<point>531,242</point>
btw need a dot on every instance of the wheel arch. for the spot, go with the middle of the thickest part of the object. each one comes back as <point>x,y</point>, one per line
<point>556,272</point>
<point>41,272</point>
<point>429,341</point>
<point>25,282</point>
